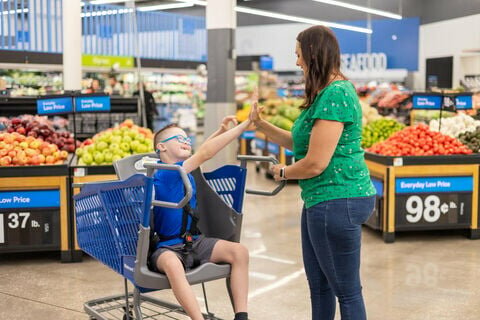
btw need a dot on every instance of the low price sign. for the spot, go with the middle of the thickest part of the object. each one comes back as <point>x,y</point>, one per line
<point>29,219</point>
<point>433,202</point>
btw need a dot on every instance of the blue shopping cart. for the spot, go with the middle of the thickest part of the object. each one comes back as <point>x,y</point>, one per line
<point>113,226</point>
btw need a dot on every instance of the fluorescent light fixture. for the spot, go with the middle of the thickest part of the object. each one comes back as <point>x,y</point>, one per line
<point>166,6</point>
<point>301,19</point>
<point>15,11</point>
<point>106,12</point>
<point>287,17</point>
<point>361,8</point>
<point>106,1</point>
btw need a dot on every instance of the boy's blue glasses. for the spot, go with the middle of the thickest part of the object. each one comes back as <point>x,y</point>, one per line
<point>180,138</point>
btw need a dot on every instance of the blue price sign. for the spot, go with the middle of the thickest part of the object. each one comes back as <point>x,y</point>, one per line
<point>92,104</point>
<point>463,102</point>
<point>52,106</point>
<point>433,184</point>
<point>433,102</point>
<point>30,199</point>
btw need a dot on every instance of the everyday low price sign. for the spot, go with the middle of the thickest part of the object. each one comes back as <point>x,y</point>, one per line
<point>92,104</point>
<point>433,201</point>
<point>56,105</point>
<point>29,219</point>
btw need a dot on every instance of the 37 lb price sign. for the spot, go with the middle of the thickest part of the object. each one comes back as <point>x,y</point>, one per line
<point>29,219</point>
<point>433,202</point>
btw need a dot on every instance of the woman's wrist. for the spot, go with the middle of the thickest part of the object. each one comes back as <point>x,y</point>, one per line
<point>283,173</point>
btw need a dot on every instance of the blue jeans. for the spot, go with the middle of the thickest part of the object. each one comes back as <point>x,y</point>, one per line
<point>331,240</point>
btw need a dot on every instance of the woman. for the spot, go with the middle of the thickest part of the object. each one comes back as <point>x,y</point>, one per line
<point>336,188</point>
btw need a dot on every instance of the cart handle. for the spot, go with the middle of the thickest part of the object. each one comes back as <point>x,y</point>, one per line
<point>243,163</point>
<point>188,187</point>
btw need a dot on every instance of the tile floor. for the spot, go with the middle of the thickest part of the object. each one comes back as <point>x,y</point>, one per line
<point>422,276</point>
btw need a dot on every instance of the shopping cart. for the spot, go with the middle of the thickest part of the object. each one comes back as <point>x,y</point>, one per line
<point>113,220</point>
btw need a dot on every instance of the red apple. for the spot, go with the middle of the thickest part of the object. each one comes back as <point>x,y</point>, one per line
<point>5,161</point>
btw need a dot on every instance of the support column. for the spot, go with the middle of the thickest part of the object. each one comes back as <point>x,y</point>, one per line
<point>221,65</point>
<point>72,45</point>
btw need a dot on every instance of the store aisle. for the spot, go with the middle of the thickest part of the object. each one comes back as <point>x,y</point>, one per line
<point>420,277</point>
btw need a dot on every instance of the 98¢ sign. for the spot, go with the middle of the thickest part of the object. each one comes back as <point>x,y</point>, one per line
<point>433,201</point>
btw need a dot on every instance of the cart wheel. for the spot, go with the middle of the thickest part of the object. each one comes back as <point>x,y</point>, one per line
<point>130,314</point>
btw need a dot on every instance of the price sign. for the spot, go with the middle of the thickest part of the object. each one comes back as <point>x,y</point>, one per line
<point>433,202</point>
<point>54,105</point>
<point>29,219</point>
<point>92,104</point>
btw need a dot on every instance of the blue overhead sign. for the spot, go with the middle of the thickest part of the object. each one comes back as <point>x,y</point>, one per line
<point>433,184</point>
<point>51,106</point>
<point>30,199</point>
<point>463,102</point>
<point>92,104</point>
<point>266,63</point>
<point>433,102</point>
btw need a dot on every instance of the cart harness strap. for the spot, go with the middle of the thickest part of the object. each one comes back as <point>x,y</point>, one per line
<point>186,235</point>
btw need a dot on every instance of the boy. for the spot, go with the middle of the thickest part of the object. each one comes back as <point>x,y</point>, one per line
<point>175,253</point>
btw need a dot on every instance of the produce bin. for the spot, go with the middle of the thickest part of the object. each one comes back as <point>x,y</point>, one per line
<point>79,175</point>
<point>425,193</point>
<point>34,215</point>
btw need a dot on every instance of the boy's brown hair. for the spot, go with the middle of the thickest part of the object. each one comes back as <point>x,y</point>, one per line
<point>158,134</point>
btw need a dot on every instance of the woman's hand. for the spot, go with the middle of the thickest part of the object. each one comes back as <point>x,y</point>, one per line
<point>255,111</point>
<point>226,121</point>
<point>276,171</point>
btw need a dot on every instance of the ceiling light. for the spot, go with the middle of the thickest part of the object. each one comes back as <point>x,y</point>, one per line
<point>166,6</point>
<point>287,17</point>
<point>106,1</point>
<point>362,8</point>
<point>301,19</point>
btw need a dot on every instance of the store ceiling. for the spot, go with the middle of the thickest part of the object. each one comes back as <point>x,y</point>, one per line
<point>428,10</point>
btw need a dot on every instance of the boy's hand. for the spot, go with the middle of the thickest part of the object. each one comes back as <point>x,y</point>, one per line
<point>226,121</point>
<point>255,112</point>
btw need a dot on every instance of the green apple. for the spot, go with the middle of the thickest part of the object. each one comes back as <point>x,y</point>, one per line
<point>134,144</point>
<point>108,156</point>
<point>89,149</point>
<point>116,132</point>
<point>123,129</point>
<point>140,137</point>
<point>107,137</point>
<point>132,133</point>
<point>116,157</point>
<point>114,146</point>
<point>87,158</point>
<point>99,158</point>
<point>142,148</point>
<point>125,146</point>
<point>101,145</point>
<point>79,152</point>
<point>116,139</point>
<point>127,139</point>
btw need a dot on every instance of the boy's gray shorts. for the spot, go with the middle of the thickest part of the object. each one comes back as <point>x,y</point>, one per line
<point>200,253</point>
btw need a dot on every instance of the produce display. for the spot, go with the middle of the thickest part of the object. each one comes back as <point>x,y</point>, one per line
<point>369,113</point>
<point>456,125</point>
<point>471,139</point>
<point>379,130</point>
<point>43,129</point>
<point>18,150</point>
<point>419,140</point>
<point>114,144</point>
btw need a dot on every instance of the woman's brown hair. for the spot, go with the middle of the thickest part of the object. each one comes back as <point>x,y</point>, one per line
<point>321,53</point>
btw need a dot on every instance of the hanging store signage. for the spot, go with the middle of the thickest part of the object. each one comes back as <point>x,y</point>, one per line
<point>54,105</point>
<point>433,202</point>
<point>92,104</point>
<point>107,61</point>
<point>437,101</point>
<point>29,219</point>
<point>364,62</point>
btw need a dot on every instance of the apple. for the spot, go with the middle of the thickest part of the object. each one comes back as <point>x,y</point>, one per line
<point>116,157</point>
<point>63,154</point>
<point>125,146</point>
<point>98,156</point>
<point>5,152</point>
<point>114,146</point>
<point>49,159</point>
<point>41,158</point>
<point>47,151</point>
<point>31,152</point>
<point>87,158</point>
<point>22,130</point>
<point>132,134</point>
<point>100,146</point>
<point>127,139</point>
<point>5,161</point>
<point>79,152</point>
<point>116,139</point>
<point>134,144</point>
<point>140,137</point>
<point>142,148</point>
<point>116,132</point>
<point>23,144</point>
<point>108,156</point>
